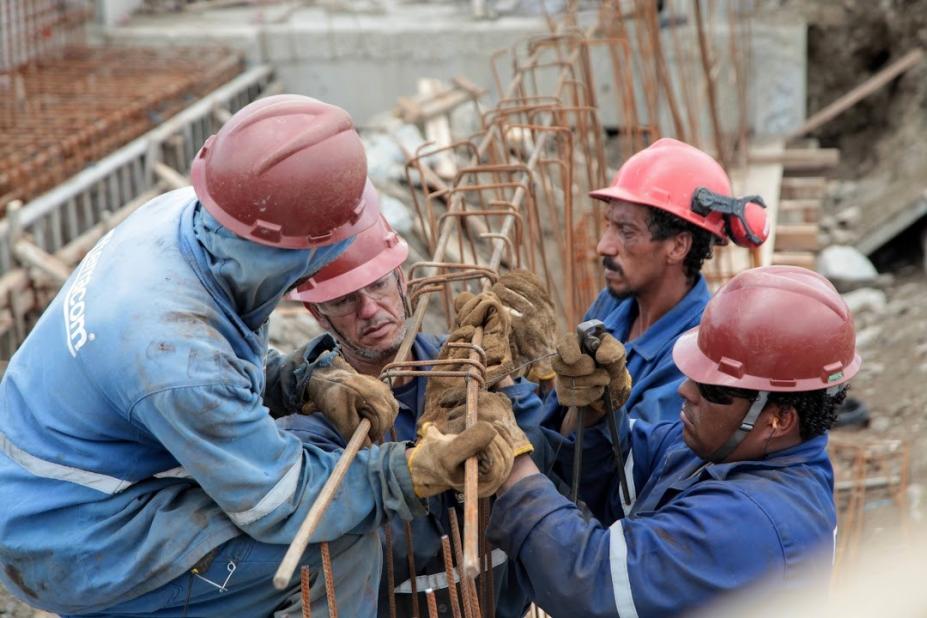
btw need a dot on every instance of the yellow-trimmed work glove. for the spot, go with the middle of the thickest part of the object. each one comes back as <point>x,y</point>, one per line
<point>437,461</point>
<point>494,408</point>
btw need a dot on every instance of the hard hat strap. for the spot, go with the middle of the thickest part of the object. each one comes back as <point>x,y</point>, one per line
<point>746,426</point>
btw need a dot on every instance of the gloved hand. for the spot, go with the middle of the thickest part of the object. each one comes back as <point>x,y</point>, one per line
<point>494,408</point>
<point>345,396</point>
<point>534,325</point>
<point>486,310</point>
<point>582,381</point>
<point>437,462</point>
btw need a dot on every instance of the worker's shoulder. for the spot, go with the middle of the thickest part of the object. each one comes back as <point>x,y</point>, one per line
<point>429,345</point>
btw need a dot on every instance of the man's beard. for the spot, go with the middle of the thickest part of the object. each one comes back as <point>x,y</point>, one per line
<point>386,353</point>
<point>613,266</point>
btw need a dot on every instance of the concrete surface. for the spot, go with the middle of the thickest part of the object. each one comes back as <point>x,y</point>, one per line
<point>366,59</point>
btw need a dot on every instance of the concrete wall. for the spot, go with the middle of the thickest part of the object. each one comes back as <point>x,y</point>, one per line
<point>113,12</point>
<point>365,62</point>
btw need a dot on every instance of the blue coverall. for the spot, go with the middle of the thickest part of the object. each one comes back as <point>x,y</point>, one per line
<point>692,531</point>
<point>135,445</point>
<point>511,599</point>
<point>654,375</point>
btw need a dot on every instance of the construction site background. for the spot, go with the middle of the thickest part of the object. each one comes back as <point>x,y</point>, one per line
<point>877,185</point>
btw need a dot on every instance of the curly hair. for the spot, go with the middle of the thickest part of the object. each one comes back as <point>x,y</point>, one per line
<point>816,410</point>
<point>663,225</point>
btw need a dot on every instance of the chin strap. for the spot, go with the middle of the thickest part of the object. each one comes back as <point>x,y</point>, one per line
<point>746,426</point>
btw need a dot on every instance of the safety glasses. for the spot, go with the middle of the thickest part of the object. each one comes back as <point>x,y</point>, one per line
<point>723,395</point>
<point>379,290</point>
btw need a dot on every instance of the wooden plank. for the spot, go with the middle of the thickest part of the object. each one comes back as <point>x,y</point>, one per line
<point>805,259</point>
<point>799,160</point>
<point>34,256</point>
<point>762,177</point>
<point>799,211</point>
<point>800,188</point>
<point>860,92</point>
<point>797,237</point>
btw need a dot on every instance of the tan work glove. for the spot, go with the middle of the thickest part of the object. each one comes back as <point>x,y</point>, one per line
<point>437,462</point>
<point>582,381</point>
<point>486,310</point>
<point>494,408</point>
<point>345,396</point>
<point>534,325</point>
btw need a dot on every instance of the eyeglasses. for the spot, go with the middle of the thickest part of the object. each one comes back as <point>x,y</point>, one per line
<point>350,303</point>
<point>723,395</point>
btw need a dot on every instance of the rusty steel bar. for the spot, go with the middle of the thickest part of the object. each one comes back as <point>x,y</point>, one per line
<point>432,603</point>
<point>390,569</point>
<point>449,573</point>
<point>304,591</point>
<point>329,581</point>
<point>410,550</point>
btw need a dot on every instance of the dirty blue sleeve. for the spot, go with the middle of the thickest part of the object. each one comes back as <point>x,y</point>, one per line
<point>286,375</point>
<point>657,397</point>
<point>642,446</point>
<point>527,406</point>
<point>713,539</point>
<point>266,479</point>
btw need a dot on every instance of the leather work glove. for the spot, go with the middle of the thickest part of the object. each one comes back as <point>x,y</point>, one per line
<point>437,462</point>
<point>582,380</point>
<point>345,396</point>
<point>534,325</point>
<point>494,408</point>
<point>486,310</point>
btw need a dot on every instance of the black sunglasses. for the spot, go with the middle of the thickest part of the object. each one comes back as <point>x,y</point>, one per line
<point>723,395</point>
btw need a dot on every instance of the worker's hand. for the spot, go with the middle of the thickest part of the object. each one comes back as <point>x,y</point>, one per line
<point>345,396</point>
<point>486,310</point>
<point>582,380</point>
<point>534,325</point>
<point>437,462</point>
<point>612,356</point>
<point>494,408</point>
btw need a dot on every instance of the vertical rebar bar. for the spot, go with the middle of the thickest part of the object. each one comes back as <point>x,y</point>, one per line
<point>304,591</point>
<point>329,581</point>
<point>449,572</point>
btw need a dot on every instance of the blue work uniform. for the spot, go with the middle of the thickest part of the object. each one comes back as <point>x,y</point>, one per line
<point>691,532</point>
<point>654,375</point>
<point>511,599</point>
<point>135,444</point>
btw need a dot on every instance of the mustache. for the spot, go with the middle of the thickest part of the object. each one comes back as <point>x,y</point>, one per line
<point>610,264</point>
<point>373,325</point>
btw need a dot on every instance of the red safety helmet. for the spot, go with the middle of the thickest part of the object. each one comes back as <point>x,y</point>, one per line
<point>774,328</point>
<point>376,252</point>
<point>286,171</point>
<point>686,182</point>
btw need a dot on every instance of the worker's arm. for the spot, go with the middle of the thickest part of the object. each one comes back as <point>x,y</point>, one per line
<point>642,447</point>
<point>264,478</point>
<point>286,375</point>
<point>711,540</point>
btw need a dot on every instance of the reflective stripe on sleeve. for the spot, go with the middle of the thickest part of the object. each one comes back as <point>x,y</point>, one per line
<point>50,470</point>
<point>279,493</point>
<point>621,582</point>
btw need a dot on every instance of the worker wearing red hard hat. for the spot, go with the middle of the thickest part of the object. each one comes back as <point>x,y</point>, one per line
<point>140,471</point>
<point>360,300</point>
<point>737,490</point>
<point>665,208</point>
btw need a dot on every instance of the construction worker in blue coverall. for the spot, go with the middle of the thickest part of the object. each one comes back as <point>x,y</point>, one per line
<point>652,247</point>
<point>140,471</point>
<point>738,490</point>
<point>360,299</point>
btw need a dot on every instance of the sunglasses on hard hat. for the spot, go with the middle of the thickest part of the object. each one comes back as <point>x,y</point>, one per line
<point>350,303</point>
<point>723,395</point>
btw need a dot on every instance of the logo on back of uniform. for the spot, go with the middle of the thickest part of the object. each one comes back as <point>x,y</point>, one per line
<point>75,304</point>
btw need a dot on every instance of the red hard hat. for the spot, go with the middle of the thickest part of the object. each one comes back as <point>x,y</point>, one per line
<point>376,252</point>
<point>286,171</point>
<point>774,328</point>
<point>665,175</point>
